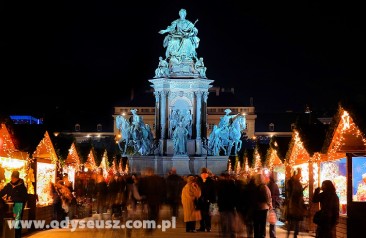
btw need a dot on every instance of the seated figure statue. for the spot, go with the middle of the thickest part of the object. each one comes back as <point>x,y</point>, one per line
<point>182,39</point>
<point>163,69</point>
<point>200,67</point>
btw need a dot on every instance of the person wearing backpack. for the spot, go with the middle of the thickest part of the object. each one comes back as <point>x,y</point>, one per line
<point>263,204</point>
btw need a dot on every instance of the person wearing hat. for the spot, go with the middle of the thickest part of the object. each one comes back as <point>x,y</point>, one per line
<point>208,196</point>
<point>16,192</point>
<point>225,120</point>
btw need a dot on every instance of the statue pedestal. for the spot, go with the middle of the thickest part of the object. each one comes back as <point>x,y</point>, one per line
<point>185,164</point>
<point>180,157</point>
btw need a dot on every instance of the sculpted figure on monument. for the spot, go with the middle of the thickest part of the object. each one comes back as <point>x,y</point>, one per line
<point>135,133</point>
<point>173,122</point>
<point>227,134</point>
<point>182,40</point>
<point>163,69</point>
<point>200,67</point>
<point>187,121</point>
<point>226,120</point>
<point>180,137</point>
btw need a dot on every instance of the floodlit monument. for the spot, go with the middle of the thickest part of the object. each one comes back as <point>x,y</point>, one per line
<point>181,91</point>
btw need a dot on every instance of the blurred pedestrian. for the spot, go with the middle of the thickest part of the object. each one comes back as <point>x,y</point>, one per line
<point>295,207</point>
<point>174,186</point>
<point>151,187</point>
<point>226,201</point>
<point>263,204</point>
<point>191,215</point>
<point>329,206</point>
<point>275,195</point>
<point>245,203</point>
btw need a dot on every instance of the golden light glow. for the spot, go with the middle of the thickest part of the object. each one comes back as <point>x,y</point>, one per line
<point>346,126</point>
<point>46,174</point>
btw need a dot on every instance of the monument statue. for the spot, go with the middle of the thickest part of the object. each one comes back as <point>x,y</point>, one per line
<point>180,137</point>
<point>163,69</point>
<point>135,133</point>
<point>200,67</point>
<point>182,40</point>
<point>227,134</point>
<point>181,43</point>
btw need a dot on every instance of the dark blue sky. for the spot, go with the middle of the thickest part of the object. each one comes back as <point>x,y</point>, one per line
<point>83,54</point>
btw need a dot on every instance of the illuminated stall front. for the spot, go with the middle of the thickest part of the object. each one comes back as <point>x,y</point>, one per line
<point>275,157</point>
<point>46,164</point>
<point>305,153</point>
<point>11,158</point>
<point>72,164</point>
<point>298,157</point>
<point>345,149</point>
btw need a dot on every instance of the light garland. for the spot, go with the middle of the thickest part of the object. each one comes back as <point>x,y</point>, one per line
<point>73,158</point>
<point>104,165</point>
<point>346,127</point>
<point>257,161</point>
<point>90,161</point>
<point>45,149</point>
<point>120,167</point>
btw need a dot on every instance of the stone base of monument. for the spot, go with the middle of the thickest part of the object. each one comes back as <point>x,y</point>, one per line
<point>185,165</point>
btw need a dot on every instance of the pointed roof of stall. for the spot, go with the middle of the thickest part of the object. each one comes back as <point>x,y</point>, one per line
<point>45,149</point>
<point>90,161</point>
<point>7,146</point>
<point>277,151</point>
<point>347,131</point>
<point>73,158</point>
<point>281,145</point>
<point>306,141</point>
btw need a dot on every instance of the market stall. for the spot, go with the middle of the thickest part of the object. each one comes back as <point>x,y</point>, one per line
<point>275,160</point>
<point>10,158</point>
<point>47,163</point>
<point>72,164</point>
<point>345,149</point>
<point>305,153</point>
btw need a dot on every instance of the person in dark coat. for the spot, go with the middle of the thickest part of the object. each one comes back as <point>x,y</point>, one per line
<point>208,196</point>
<point>263,202</point>
<point>174,186</point>
<point>226,201</point>
<point>101,189</point>
<point>245,204</point>
<point>295,207</point>
<point>16,192</point>
<point>151,187</point>
<point>329,205</point>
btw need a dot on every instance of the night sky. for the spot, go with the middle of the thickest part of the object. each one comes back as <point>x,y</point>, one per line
<point>80,55</point>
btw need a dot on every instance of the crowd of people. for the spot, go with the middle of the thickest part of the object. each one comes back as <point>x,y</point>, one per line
<point>242,202</point>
